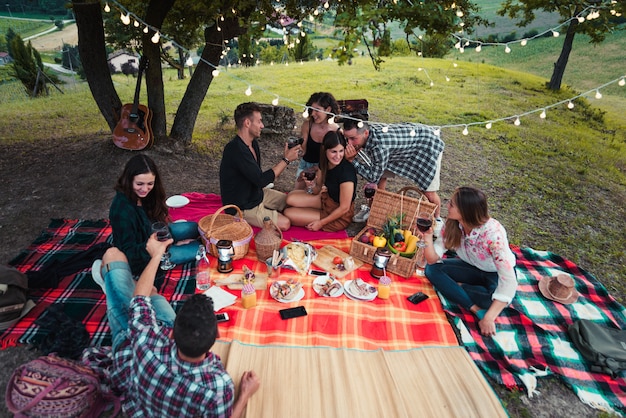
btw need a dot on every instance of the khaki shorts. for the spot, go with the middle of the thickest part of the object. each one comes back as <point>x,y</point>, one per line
<point>273,202</point>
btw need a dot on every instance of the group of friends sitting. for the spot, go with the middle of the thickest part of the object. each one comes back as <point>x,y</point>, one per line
<point>163,364</point>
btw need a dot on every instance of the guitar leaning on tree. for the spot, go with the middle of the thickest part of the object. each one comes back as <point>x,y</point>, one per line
<point>134,131</point>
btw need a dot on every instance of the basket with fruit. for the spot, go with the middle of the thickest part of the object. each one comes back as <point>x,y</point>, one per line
<point>391,223</point>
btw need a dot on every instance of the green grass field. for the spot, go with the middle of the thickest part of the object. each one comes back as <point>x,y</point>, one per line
<point>24,28</point>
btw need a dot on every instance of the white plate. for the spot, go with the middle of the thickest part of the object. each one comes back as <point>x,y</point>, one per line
<point>177,201</point>
<point>298,296</point>
<point>323,279</point>
<point>372,295</point>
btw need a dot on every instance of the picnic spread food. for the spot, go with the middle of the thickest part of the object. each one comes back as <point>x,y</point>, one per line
<point>248,275</point>
<point>359,290</point>
<point>286,291</point>
<point>327,286</point>
<point>299,255</point>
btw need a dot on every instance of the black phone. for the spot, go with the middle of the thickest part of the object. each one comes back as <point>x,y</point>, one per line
<point>292,312</point>
<point>222,317</point>
<point>318,272</point>
<point>417,297</point>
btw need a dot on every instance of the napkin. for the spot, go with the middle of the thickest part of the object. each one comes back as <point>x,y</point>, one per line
<point>221,298</point>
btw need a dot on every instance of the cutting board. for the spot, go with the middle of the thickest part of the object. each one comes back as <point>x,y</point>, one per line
<point>233,281</point>
<point>324,260</point>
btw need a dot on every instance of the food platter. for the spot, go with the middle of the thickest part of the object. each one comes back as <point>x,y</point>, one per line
<point>328,287</point>
<point>298,291</point>
<point>176,201</point>
<point>299,256</point>
<point>359,290</point>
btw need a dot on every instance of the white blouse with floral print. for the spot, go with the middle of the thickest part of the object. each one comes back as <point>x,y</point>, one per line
<point>487,248</point>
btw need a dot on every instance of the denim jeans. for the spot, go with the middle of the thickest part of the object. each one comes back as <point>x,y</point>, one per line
<point>120,287</point>
<point>181,254</point>
<point>462,283</point>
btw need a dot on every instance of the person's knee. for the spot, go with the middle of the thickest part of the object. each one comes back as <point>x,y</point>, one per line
<point>113,254</point>
<point>283,222</point>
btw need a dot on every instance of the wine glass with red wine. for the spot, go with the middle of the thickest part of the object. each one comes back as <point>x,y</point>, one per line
<point>309,175</point>
<point>163,234</point>
<point>424,223</point>
<point>369,191</point>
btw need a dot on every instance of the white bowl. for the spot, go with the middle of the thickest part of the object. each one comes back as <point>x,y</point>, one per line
<point>177,201</point>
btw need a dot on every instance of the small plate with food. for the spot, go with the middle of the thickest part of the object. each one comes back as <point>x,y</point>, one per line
<point>287,291</point>
<point>359,290</point>
<point>328,286</point>
<point>299,256</point>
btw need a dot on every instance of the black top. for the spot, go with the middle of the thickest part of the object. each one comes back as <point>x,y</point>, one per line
<point>344,172</point>
<point>313,149</point>
<point>241,178</point>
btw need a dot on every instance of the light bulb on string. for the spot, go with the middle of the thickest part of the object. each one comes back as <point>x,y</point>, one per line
<point>523,42</point>
<point>136,24</point>
<point>275,101</point>
<point>517,121</point>
<point>125,18</point>
<point>555,34</point>
<point>543,114</point>
<point>479,48</point>
<point>447,78</point>
<point>598,95</point>
<point>146,30</point>
<point>488,125</point>
<point>360,124</point>
<point>507,49</point>
<point>155,38</point>
<point>248,91</point>
<point>570,105</point>
<point>107,8</point>
<point>437,131</point>
<point>465,131</point>
<point>305,114</point>
<point>622,82</point>
<point>432,83</point>
<point>326,5</point>
<point>331,120</point>
<point>581,19</point>
<point>215,72</point>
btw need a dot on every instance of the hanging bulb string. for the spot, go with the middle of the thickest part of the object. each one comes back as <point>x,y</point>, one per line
<point>621,81</point>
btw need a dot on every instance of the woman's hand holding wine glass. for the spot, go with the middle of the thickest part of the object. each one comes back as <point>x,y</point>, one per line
<point>309,177</point>
<point>424,223</point>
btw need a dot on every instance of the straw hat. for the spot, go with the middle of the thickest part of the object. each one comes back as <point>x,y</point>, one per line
<point>559,288</point>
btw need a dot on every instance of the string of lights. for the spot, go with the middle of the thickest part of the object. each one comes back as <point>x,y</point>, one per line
<point>126,17</point>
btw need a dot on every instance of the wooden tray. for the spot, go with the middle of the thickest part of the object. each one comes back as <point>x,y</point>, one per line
<point>233,281</point>
<point>324,260</point>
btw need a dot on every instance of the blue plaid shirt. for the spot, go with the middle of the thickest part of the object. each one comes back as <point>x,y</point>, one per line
<point>413,157</point>
<point>157,383</point>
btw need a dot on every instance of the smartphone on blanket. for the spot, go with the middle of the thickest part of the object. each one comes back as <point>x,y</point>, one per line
<point>418,297</point>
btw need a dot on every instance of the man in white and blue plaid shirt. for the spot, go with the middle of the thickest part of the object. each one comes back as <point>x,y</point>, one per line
<point>409,150</point>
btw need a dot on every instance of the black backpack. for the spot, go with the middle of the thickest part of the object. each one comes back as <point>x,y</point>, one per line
<point>603,347</point>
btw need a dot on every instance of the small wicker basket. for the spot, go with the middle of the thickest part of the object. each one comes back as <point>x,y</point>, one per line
<point>219,226</point>
<point>391,204</point>
<point>267,240</point>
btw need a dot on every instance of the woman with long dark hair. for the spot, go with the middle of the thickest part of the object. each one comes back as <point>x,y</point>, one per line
<point>482,279</point>
<point>330,204</point>
<point>138,203</point>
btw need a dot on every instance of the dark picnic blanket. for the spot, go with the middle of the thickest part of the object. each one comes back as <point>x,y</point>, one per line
<point>82,298</point>
<point>532,333</point>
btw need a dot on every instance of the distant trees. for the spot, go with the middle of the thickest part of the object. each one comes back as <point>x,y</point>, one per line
<point>28,68</point>
<point>598,18</point>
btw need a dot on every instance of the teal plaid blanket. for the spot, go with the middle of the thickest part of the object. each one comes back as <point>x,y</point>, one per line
<point>532,333</point>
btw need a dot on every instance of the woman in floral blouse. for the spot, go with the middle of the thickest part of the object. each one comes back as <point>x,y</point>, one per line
<point>482,279</point>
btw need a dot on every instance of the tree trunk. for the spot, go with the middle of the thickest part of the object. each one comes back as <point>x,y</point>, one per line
<point>561,63</point>
<point>187,113</point>
<point>155,15</point>
<point>93,57</point>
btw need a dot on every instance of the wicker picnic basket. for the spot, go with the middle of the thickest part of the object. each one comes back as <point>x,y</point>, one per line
<point>219,226</point>
<point>267,240</point>
<point>384,205</point>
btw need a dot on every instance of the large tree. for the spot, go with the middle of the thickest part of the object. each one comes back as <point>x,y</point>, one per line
<point>597,18</point>
<point>223,20</point>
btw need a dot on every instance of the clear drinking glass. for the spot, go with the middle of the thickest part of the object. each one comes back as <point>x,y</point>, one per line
<point>163,234</point>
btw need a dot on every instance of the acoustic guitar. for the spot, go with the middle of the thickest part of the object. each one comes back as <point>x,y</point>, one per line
<point>134,131</point>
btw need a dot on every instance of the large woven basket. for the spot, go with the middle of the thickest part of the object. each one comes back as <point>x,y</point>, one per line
<point>387,204</point>
<point>219,226</point>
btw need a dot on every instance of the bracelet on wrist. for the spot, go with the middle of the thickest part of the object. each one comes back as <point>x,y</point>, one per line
<point>286,161</point>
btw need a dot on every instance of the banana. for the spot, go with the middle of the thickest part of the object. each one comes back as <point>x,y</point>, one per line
<point>411,244</point>
<point>407,235</point>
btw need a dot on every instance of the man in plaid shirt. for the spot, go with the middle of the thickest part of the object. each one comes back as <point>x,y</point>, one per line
<point>162,363</point>
<point>408,150</point>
